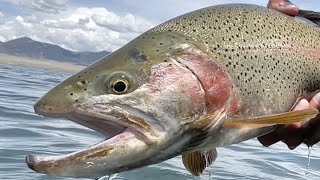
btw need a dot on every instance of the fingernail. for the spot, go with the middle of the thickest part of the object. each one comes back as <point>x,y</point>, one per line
<point>315,101</point>
<point>266,145</point>
<point>302,104</point>
<point>291,147</point>
<point>317,98</point>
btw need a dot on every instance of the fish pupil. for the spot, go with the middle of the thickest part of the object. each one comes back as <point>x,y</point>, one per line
<point>119,87</point>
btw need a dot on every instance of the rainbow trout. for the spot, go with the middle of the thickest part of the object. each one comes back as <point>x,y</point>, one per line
<point>210,78</point>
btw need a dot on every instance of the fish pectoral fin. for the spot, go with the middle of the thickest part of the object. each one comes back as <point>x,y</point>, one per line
<point>210,120</point>
<point>197,161</point>
<point>263,121</point>
<point>205,127</point>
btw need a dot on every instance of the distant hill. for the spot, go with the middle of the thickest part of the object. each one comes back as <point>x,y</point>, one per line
<point>26,47</point>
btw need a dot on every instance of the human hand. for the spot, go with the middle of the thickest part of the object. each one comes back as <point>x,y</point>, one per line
<point>295,134</point>
<point>284,6</point>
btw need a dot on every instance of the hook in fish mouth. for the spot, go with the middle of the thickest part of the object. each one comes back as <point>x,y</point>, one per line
<point>121,126</point>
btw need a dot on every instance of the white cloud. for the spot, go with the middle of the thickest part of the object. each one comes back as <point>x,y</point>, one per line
<point>127,23</point>
<point>95,29</point>
<point>1,14</point>
<point>45,6</point>
<point>82,29</point>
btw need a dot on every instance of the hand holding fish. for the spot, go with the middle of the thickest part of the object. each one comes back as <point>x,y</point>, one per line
<point>284,6</point>
<point>294,134</point>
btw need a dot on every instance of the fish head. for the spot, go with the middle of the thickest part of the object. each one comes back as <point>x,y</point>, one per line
<point>140,97</point>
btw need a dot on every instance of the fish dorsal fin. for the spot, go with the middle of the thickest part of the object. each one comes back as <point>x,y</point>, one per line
<point>310,15</point>
<point>263,121</point>
<point>197,161</point>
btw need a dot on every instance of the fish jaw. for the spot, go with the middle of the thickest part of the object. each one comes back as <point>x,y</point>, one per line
<point>131,145</point>
<point>121,153</point>
<point>98,160</point>
<point>102,159</point>
<point>148,124</point>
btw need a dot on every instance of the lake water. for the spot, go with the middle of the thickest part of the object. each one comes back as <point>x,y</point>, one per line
<point>22,132</point>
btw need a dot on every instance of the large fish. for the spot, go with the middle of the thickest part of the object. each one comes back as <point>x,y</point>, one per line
<point>210,78</point>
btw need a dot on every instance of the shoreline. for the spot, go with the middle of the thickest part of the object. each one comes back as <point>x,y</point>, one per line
<point>40,63</point>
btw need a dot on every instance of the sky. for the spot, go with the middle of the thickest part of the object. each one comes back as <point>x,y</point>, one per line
<point>96,25</point>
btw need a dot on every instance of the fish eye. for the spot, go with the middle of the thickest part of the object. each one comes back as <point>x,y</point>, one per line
<point>118,83</point>
<point>119,86</point>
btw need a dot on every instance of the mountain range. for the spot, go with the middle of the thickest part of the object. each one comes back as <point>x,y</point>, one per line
<point>26,47</point>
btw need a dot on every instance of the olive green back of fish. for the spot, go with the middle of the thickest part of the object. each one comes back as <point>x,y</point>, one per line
<point>271,57</point>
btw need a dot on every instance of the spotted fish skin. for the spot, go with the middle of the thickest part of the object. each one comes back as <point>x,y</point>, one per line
<point>210,78</point>
<point>272,58</point>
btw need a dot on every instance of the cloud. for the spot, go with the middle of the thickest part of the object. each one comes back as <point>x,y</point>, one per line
<point>127,23</point>
<point>44,6</point>
<point>81,29</point>
<point>1,14</point>
<point>95,28</point>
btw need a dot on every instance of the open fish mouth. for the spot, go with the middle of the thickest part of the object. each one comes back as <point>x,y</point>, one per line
<point>106,157</point>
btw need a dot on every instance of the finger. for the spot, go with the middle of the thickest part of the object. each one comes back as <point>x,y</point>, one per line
<point>284,6</point>
<point>315,138</point>
<point>293,132</point>
<point>292,135</point>
<point>315,101</point>
<point>285,132</point>
<point>312,130</point>
<point>272,138</point>
<point>302,104</point>
<point>293,141</point>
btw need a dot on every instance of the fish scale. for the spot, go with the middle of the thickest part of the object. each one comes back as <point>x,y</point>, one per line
<point>271,58</point>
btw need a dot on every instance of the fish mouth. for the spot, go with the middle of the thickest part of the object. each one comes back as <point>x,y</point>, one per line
<point>119,128</point>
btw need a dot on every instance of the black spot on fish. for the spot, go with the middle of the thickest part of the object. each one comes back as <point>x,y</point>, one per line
<point>136,55</point>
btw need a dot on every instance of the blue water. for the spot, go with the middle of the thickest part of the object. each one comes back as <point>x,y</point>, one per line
<point>22,132</point>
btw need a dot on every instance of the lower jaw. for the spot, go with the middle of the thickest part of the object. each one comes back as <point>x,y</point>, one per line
<point>75,163</point>
<point>91,162</point>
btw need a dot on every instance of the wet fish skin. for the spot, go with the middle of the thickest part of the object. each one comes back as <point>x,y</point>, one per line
<point>272,58</point>
<point>267,54</point>
<point>230,60</point>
